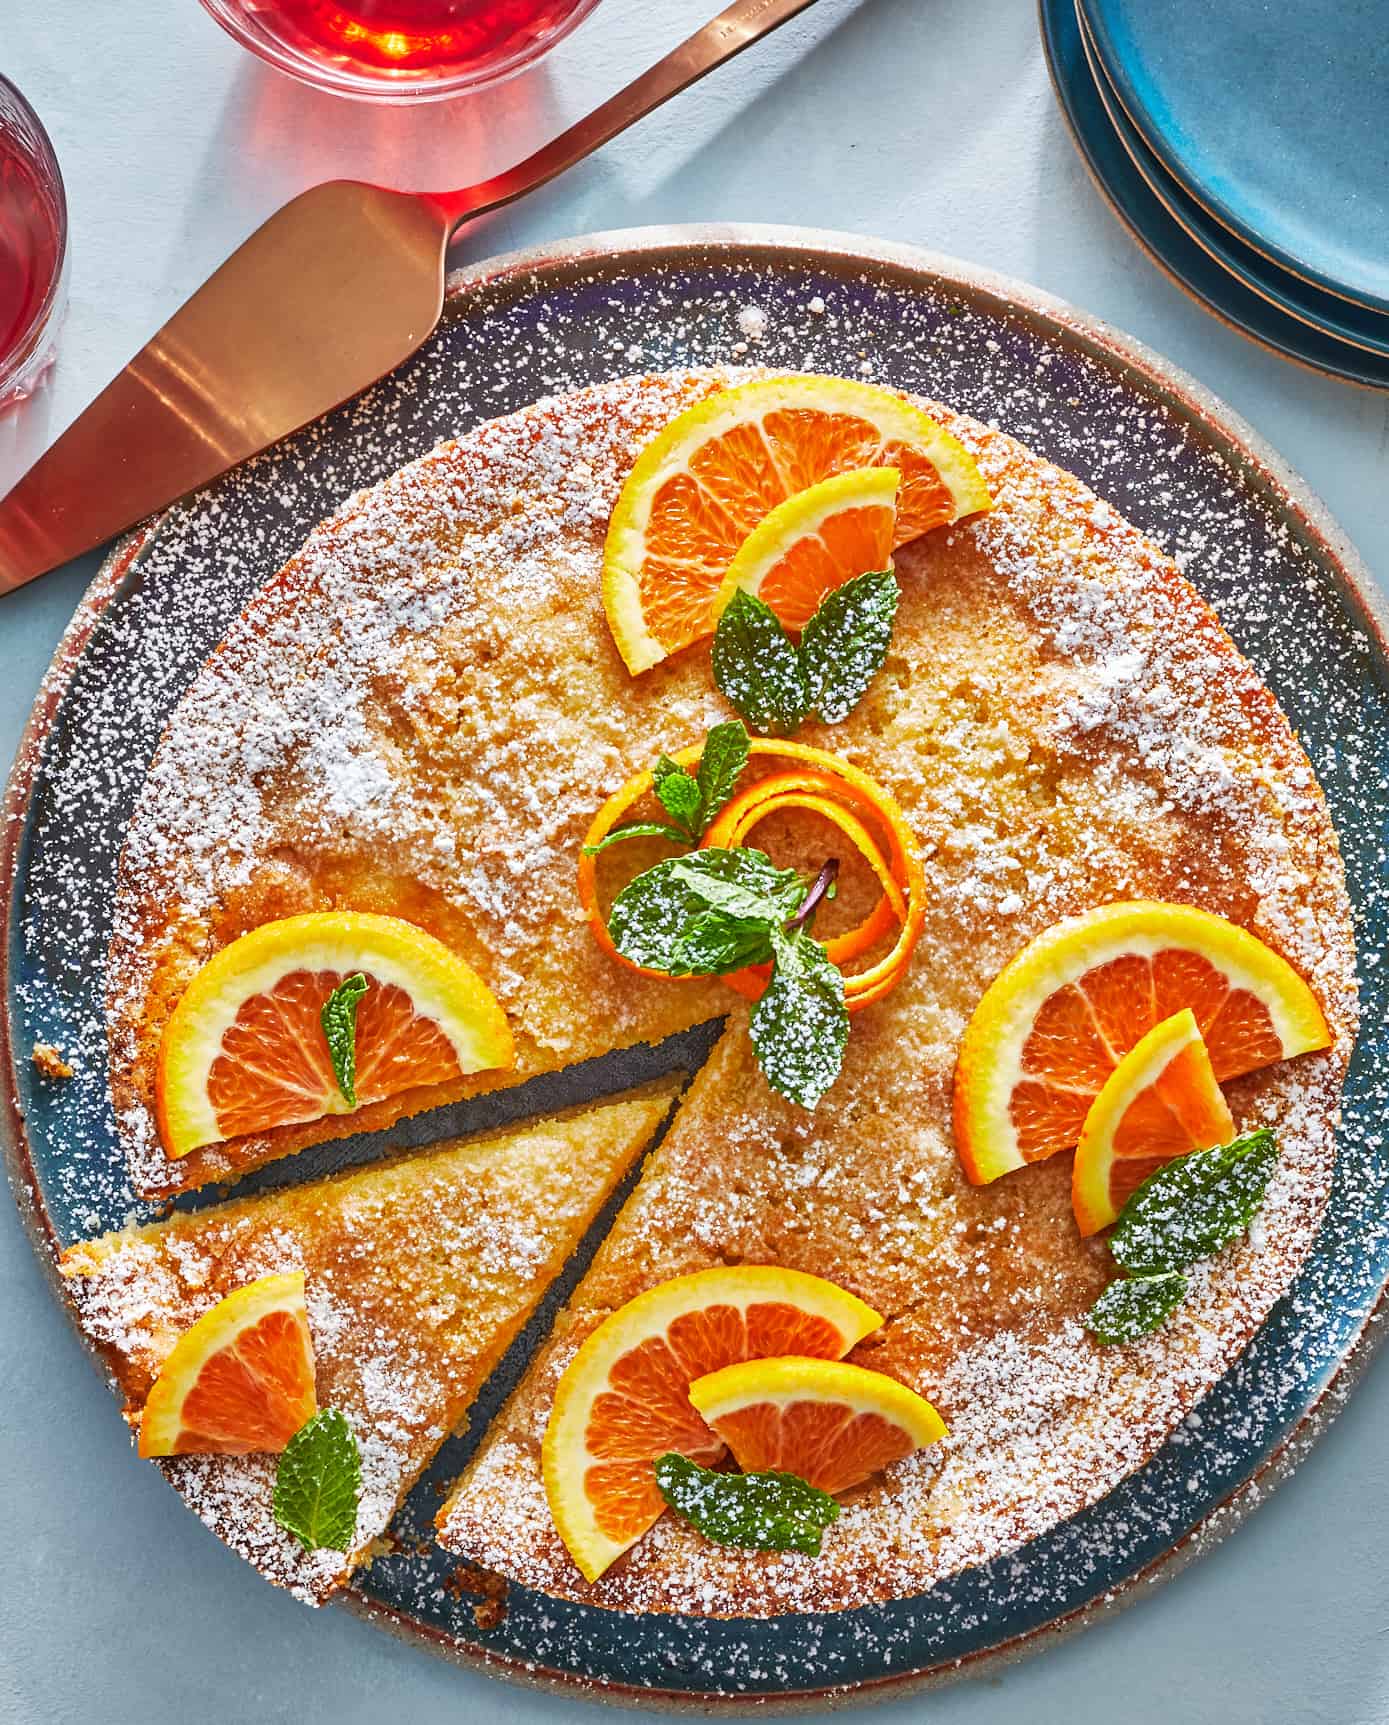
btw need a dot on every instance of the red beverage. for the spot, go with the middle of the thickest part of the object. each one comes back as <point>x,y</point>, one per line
<point>33,230</point>
<point>399,48</point>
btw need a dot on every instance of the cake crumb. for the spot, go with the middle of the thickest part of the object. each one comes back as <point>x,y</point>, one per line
<point>49,1062</point>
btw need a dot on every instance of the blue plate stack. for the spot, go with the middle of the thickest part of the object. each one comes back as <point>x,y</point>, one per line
<point>1246,145</point>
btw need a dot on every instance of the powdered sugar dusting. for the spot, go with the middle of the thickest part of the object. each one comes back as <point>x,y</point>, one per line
<point>1162,471</point>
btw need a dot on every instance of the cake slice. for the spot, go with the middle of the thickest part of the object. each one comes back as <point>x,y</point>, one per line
<point>418,1274</point>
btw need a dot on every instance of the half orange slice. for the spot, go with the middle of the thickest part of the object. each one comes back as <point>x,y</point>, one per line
<point>815,542</point>
<point>240,1380</point>
<point>1162,1100</point>
<point>245,1050</point>
<point>832,1423</point>
<point>1055,1022</point>
<point>623,1400</point>
<point>702,485</point>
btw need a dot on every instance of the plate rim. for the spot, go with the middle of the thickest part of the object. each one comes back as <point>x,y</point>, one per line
<point>1239,443</point>
<point>1219,209</point>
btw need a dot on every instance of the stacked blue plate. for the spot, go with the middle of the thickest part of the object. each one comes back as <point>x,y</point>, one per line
<point>1244,144</point>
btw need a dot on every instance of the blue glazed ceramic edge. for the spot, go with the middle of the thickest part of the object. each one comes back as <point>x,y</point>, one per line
<point>1185,262</point>
<point>1139,105</point>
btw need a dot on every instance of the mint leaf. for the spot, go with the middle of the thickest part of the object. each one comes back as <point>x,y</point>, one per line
<point>1129,1309</point>
<point>638,830</point>
<point>748,893</point>
<point>844,644</point>
<point>720,767</point>
<point>678,795</point>
<point>652,914</point>
<point>757,667</point>
<point>318,1483</point>
<point>1193,1206</point>
<point>758,1511</point>
<point>715,943</point>
<point>339,1021</point>
<point>800,1025</point>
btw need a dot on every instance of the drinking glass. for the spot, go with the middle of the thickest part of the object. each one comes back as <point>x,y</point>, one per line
<point>33,247</point>
<point>399,50</point>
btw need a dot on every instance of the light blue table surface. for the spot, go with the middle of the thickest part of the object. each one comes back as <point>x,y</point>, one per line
<point>927,121</point>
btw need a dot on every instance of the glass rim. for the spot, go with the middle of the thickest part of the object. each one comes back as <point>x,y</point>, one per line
<point>234,19</point>
<point>31,335</point>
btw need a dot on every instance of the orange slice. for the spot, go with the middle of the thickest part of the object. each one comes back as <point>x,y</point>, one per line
<point>1162,1100</point>
<point>702,485</point>
<point>239,1380</point>
<point>1056,1021</point>
<point>623,1399</point>
<point>816,541</point>
<point>832,1423</point>
<point>244,1050</point>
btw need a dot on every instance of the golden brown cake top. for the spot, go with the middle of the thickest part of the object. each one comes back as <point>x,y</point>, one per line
<point>422,714</point>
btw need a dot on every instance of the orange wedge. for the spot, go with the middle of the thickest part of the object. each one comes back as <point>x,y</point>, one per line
<point>239,1380</point>
<point>832,1423</point>
<point>244,1050</point>
<point>1162,1100</point>
<point>702,485</point>
<point>1056,1021</point>
<point>815,542</point>
<point>623,1399</point>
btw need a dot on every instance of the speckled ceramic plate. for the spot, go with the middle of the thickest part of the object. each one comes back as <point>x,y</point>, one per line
<point>1290,589</point>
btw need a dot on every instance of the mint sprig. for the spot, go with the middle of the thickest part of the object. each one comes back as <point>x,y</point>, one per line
<point>1186,1210</point>
<point>690,799</point>
<point>1191,1207</point>
<point>844,644</point>
<point>339,1021</point>
<point>777,685</point>
<point>720,767</point>
<point>716,911</point>
<point>319,1483</point>
<point>758,668</point>
<point>757,1511</point>
<point>1134,1306</point>
<point>668,916</point>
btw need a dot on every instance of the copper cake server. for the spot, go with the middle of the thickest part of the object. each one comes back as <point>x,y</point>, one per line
<point>335,290</point>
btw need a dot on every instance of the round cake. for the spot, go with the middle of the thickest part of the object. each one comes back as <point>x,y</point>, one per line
<point>420,716</point>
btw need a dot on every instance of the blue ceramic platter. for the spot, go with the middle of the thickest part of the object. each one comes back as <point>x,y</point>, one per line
<point>1337,317</point>
<point>1171,458</point>
<point>1191,263</point>
<point>1274,116</point>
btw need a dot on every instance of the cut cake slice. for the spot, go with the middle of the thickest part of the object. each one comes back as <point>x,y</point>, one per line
<point>419,1272</point>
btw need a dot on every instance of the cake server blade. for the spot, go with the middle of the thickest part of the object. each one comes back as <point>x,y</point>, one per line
<point>334,291</point>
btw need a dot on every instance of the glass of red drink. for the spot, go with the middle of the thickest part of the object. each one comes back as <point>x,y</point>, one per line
<point>399,50</point>
<point>33,246</point>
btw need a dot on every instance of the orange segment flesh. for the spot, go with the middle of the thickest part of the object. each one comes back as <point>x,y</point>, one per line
<point>850,543</point>
<point>815,541</point>
<point>1056,1022</point>
<point>832,1423</point>
<point>1162,1100</point>
<point>705,482</point>
<point>274,1068</point>
<point>623,1401</point>
<point>240,1380</point>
